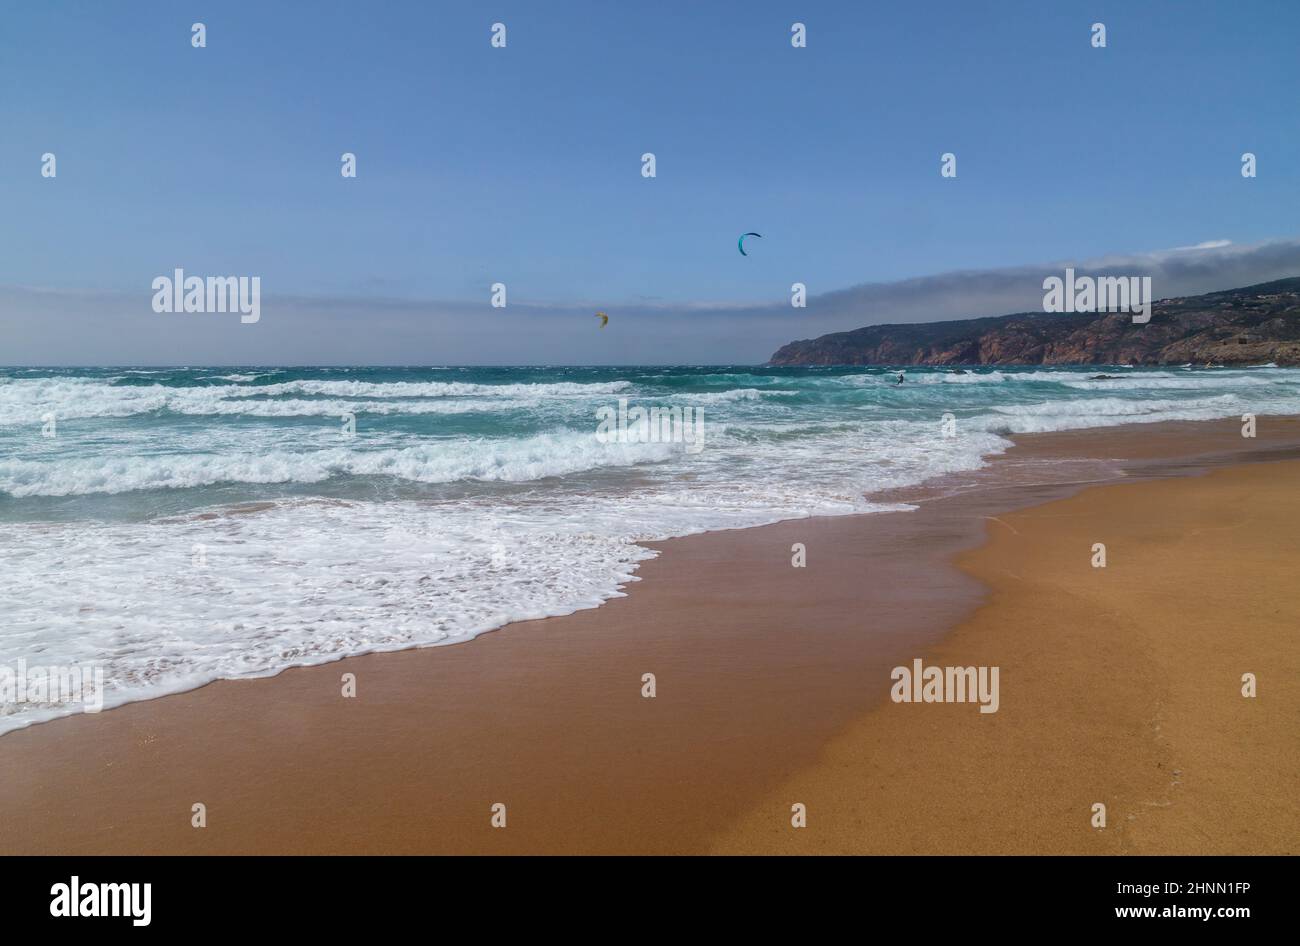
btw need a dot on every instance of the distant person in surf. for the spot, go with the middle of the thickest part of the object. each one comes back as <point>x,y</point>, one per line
<point>900,378</point>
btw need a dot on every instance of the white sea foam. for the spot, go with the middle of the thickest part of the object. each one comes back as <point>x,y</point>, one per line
<point>534,458</point>
<point>1108,412</point>
<point>25,401</point>
<point>306,582</point>
<point>298,584</point>
<point>737,394</point>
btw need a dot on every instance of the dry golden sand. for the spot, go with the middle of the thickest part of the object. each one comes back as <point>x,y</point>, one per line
<point>771,682</point>
<point>1120,685</point>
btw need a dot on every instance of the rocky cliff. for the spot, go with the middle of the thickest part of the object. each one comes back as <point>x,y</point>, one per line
<point>1250,326</point>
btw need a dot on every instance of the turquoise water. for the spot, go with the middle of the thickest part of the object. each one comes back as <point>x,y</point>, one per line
<point>179,525</point>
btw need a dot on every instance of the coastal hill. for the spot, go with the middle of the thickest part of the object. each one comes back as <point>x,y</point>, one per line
<point>1250,326</point>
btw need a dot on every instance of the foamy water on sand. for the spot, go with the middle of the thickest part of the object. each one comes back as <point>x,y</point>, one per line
<point>187,525</point>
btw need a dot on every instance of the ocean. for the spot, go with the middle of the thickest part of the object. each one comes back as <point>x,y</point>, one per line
<point>175,526</point>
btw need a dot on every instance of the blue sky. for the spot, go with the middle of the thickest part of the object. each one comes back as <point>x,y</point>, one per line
<point>522,165</point>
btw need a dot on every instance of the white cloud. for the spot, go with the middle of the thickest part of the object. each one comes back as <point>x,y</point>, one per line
<point>64,327</point>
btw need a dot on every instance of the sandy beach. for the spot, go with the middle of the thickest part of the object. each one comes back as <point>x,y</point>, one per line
<point>1119,685</point>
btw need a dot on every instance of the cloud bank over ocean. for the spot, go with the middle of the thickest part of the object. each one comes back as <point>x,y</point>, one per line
<point>42,326</point>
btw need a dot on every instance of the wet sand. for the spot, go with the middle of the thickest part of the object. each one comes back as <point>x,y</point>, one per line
<point>1119,685</point>
<point>771,681</point>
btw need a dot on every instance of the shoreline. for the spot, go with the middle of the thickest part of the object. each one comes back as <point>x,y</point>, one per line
<point>758,666</point>
<point>1123,692</point>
